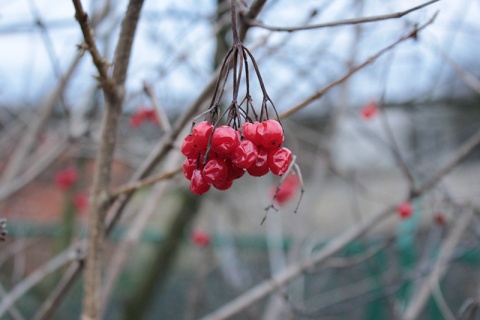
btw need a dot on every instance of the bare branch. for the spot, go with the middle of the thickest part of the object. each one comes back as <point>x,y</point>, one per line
<point>73,253</point>
<point>162,115</point>
<point>253,23</point>
<point>134,185</point>
<point>114,95</point>
<point>100,63</point>
<point>418,301</point>
<point>263,289</point>
<point>355,69</point>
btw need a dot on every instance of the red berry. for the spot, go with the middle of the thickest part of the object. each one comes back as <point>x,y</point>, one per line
<point>250,132</point>
<point>215,171</point>
<point>201,133</point>
<point>200,238</point>
<point>287,189</point>
<point>270,134</point>
<point>405,210</point>
<point>80,201</point>
<point>188,148</point>
<point>244,154</point>
<point>279,161</point>
<point>260,166</point>
<point>198,185</point>
<point>369,110</point>
<point>440,219</point>
<point>66,178</point>
<point>223,185</point>
<point>224,140</point>
<point>234,172</point>
<point>188,166</point>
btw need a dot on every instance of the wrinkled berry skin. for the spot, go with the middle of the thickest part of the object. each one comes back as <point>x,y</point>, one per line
<point>215,171</point>
<point>270,134</point>
<point>279,161</point>
<point>201,133</point>
<point>245,154</point>
<point>250,132</point>
<point>224,140</point>
<point>188,166</point>
<point>260,166</point>
<point>198,185</point>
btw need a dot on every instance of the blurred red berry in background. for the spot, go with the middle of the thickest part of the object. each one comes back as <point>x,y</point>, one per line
<point>440,219</point>
<point>369,110</point>
<point>287,190</point>
<point>200,238</point>
<point>143,114</point>
<point>66,178</point>
<point>80,201</point>
<point>405,210</point>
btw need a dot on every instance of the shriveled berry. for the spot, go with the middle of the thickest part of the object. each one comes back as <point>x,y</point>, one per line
<point>260,166</point>
<point>198,185</point>
<point>270,134</point>
<point>223,185</point>
<point>188,147</point>
<point>188,166</point>
<point>250,132</point>
<point>279,160</point>
<point>234,172</point>
<point>201,133</point>
<point>245,154</point>
<point>215,171</point>
<point>224,140</point>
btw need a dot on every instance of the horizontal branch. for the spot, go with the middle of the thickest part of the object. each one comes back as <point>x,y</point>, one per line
<point>132,186</point>
<point>254,23</point>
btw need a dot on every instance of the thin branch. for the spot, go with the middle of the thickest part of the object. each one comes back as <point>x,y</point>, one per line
<point>38,122</point>
<point>75,252</point>
<point>282,278</point>
<point>114,96</point>
<point>13,311</point>
<point>423,293</point>
<point>162,115</point>
<point>45,160</point>
<point>397,15</point>
<point>52,302</point>
<point>87,31</point>
<point>134,185</point>
<point>355,69</point>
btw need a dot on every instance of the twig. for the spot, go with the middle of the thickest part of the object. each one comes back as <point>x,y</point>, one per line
<point>13,311</point>
<point>162,115</point>
<point>282,278</point>
<point>75,252</point>
<point>45,160</point>
<point>132,186</point>
<point>114,90</point>
<point>253,23</point>
<point>418,301</point>
<point>48,306</point>
<point>355,69</point>
<point>27,142</point>
<point>87,31</point>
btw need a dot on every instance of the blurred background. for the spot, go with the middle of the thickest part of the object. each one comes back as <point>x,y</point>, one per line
<point>174,255</point>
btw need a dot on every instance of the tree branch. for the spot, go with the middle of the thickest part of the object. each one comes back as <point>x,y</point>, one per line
<point>355,69</point>
<point>114,95</point>
<point>253,23</point>
<point>418,301</point>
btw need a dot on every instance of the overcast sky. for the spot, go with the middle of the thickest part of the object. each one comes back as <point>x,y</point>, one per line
<point>174,49</point>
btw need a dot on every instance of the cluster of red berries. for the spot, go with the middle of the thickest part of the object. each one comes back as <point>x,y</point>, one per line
<point>217,156</point>
<point>142,115</point>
